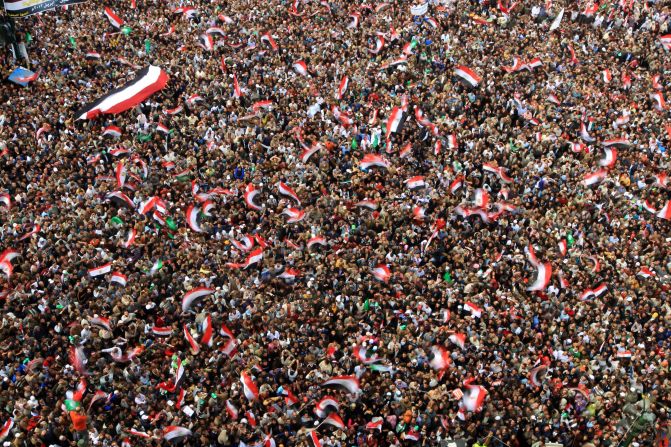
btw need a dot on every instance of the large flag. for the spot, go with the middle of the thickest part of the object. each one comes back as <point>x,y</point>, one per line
<point>148,81</point>
<point>24,8</point>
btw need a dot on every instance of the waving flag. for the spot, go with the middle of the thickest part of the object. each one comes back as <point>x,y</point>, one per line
<point>173,432</point>
<point>458,339</point>
<point>620,143</point>
<point>375,424</point>
<point>237,93</point>
<point>316,240</point>
<point>347,383</point>
<point>594,177</point>
<point>78,359</point>
<point>474,398</point>
<point>325,406</point>
<point>285,190</point>
<point>379,43</point>
<point>395,121</point>
<point>113,18</point>
<point>645,272</point>
<point>147,82</point>
<point>313,439</point>
<point>468,75</point>
<point>102,270</point>
<point>666,41</point>
<point>537,375</point>
<point>295,215</point>
<point>372,160</point>
<point>112,131</point>
<point>369,204</point>
<point>473,309</point>
<point>301,67</point>
<point>334,420</point>
<point>610,158</point>
<point>249,196</point>
<point>119,278</point>
<point>441,358</point>
<point>249,387</point>
<point>192,218</point>
<point>161,331</point>
<point>309,152</point>
<point>6,428</point>
<point>382,273</point>
<point>544,274</point>
<point>342,88</point>
<point>195,348</point>
<point>192,295</point>
<point>665,212</point>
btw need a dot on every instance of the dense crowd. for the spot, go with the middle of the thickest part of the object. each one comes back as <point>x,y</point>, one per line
<point>339,224</point>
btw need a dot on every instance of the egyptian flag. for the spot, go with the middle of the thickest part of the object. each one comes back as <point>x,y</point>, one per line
<point>619,143</point>
<point>411,435</point>
<point>6,428</point>
<point>195,348</point>
<point>395,121</point>
<point>237,93</point>
<point>334,420</point>
<point>666,41</point>
<point>103,269</point>
<point>474,397</point>
<point>347,383</point>
<point>665,212</point>
<point>268,38</point>
<point>659,100</point>
<point>112,131</point>
<point>173,432</point>
<point>231,410</point>
<point>456,184</point>
<point>584,134</point>
<point>206,42</point>
<point>372,160</point>
<point>295,215</point>
<point>249,196</point>
<point>92,56</point>
<point>468,75</point>
<point>289,274</point>
<point>342,88</point>
<point>543,277</point>
<point>316,240</point>
<point>473,309</point>
<point>131,238</point>
<point>458,339</point>
<point>114,19</point>
<point>326,405</point>
<point>249,388</point>
<point>119,278</point>
<point>563,247</point>
<point>369,204</point>
<point>379,43</point>
<point>301,67</point>
<point>78,359</point>
<point>441,358</point>
<point>375,424</point>
<point>285,190</point>
<point>645,272</point>
<point>161,331</point>
<point>6,200</point>
<point>610,158</point>
<point>147,82</point>
<point>594,177</point>
<point>192,295</point>
<point>313,440</point>
<point>382,273</point>
<point>192,218</point>
<point>537,375</point>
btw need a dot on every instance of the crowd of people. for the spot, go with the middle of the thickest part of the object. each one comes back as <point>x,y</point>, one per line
<point>339,224</point>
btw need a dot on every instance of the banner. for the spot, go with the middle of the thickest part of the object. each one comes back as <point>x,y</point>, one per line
<point>24,8</point>
<point>419,10</point>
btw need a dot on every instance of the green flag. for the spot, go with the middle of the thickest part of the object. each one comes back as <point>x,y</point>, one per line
<point>376,140</point>
<point>126,30</point>
<point>170,223</point>
<point>147,46</point>
<point>158,265</point>
<point>29,38</point>
<point>71,405</point>
<point>143,137</point>
<point>366,305</point>
<point>72,42</point>
<point>354,143</point>
<point>116,220</point>
<point>447,277</point>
